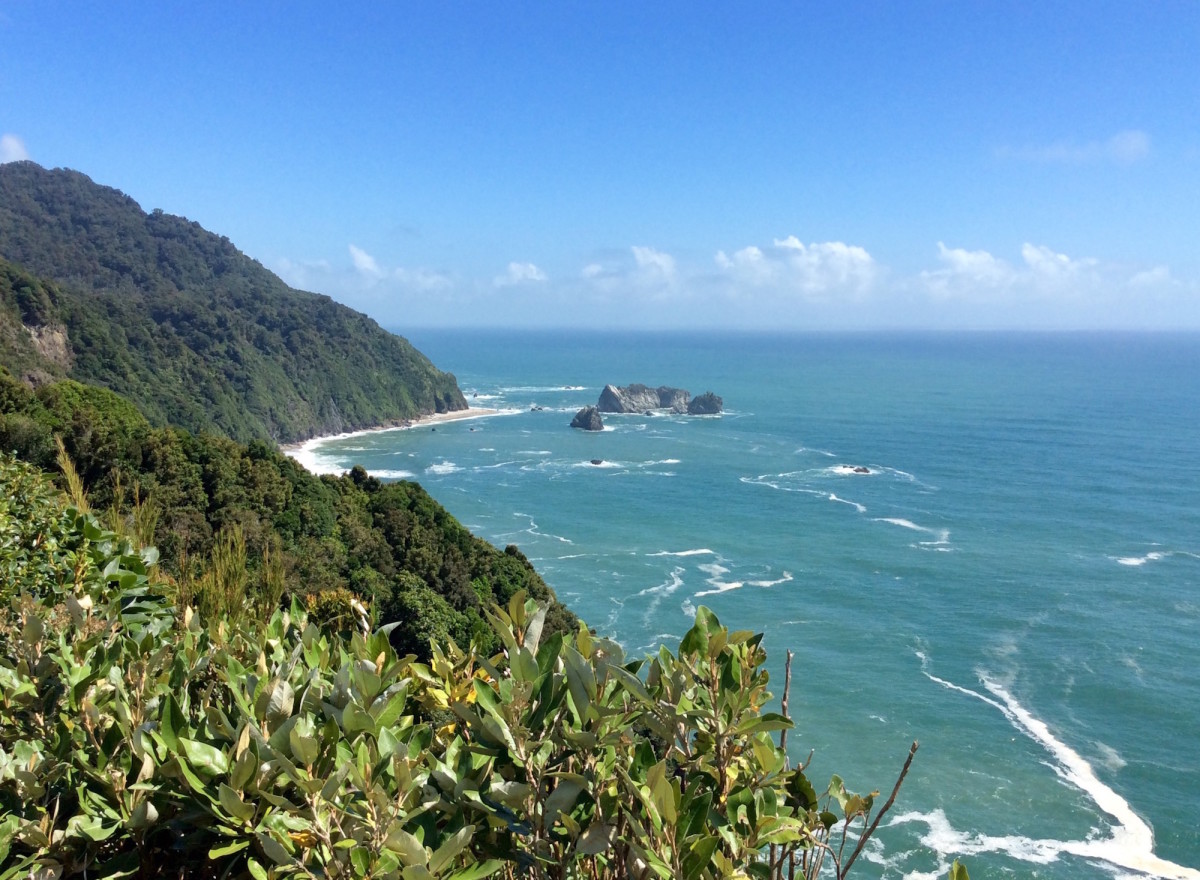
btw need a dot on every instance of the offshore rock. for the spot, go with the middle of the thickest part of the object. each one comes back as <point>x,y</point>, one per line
<point>588,419</point>
<point>640,399</point>
<point>706,404</point>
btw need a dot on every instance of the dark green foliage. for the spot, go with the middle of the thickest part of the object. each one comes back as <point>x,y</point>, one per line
<point>391,543</point>
<point>137,740</point>
<point>187,327</point>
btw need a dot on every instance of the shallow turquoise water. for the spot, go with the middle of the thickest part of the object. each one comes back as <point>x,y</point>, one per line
<point>1016,583</point>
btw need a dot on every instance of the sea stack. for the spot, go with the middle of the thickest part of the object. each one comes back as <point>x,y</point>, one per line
<point>707,404</point>
<point>588,419</point>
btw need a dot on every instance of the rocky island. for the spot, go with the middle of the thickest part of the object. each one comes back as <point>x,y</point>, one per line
<point>643,399</point>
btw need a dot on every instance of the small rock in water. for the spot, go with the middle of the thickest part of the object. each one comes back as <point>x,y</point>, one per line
<point>597,461</point>
<point>588,419</point>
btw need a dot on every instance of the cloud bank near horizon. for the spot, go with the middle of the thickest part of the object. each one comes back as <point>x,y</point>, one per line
<point>784,283</point>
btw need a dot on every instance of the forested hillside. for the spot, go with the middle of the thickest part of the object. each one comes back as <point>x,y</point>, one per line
<point>184,325</point>
<point>325,539</point>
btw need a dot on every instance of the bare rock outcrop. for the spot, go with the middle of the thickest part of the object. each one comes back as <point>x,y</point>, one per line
<point>588,419</point>
<point>640,399</point>
<point>706,404</point>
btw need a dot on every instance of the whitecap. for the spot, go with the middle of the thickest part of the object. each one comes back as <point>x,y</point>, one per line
<point>715,571</point>
<point>860,508</point>
<point>1129,845</point>
<point>941,536</point>
<point>443,467</point>
<point>660,591</point>
<point>384,474</point>
<point>533,530</point>
<point>703,551</point>
<point>1140,560</point>
<point>843,470</point>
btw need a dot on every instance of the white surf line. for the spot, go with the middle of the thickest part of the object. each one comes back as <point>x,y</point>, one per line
<point>1131,843</point>
<point>533,529</point>
<point>661,591</point>
<point>860,508</point>
<point>308,453</point>
<point>1153,556</point>
<point>942,535</point>
<point>715,570</point>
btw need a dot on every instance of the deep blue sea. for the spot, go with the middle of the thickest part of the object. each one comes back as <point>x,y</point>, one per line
<point>1015,584</point>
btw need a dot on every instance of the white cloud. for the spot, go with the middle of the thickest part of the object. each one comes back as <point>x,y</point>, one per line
<point>12,149</point>
<point>1051,268</point>
<point>1159,276</point>
<point>364,262</point>
<point>422,280</point>
<point>1075,291</point>
<point>815,270</point>
<point>978,268</point>
<point>1123,148</point>
<point>655,267</point>
<point>520,273</point>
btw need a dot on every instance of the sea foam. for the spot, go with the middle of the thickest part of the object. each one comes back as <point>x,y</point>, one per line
<point>1130,843</point>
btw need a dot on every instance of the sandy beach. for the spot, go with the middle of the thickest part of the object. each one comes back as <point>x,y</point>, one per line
<point>302,451</point>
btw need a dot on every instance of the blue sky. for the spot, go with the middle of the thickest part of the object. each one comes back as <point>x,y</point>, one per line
<point>813,165</point>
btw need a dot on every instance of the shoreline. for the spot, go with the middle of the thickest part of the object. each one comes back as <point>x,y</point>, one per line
<point>302,451</point>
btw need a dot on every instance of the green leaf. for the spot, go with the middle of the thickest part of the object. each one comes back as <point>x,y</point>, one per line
<point>204,758</point>
<point>410,850</point>
<point>801,790</point>
<point>273,849</point>
<point>444,854</point>
<point>699,856</point>
<point>257,871</point>
<point>562,798</point>
<point>172,724</point>
<point>581,680</point>
<point>218,852</point>
<point>958,871</point>
<point>524,666</point>
<point>232,804</point>
<point>280,703</point>
<point>354,719</point>
<point>304,748</point>
<point>477,871</point>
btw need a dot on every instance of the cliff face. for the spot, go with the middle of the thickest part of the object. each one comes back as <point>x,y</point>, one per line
<point>640,399</point>
<point>179,321</point>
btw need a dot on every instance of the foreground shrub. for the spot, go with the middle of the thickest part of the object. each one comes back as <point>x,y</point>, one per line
<point>139,740</point>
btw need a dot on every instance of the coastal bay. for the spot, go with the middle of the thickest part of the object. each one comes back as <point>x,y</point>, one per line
<point>1013,584</point>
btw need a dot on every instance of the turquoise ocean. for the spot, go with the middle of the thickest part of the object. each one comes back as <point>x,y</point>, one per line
<point>1015,583</point>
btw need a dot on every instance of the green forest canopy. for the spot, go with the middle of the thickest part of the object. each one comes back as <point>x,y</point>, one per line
<point>190,329</point>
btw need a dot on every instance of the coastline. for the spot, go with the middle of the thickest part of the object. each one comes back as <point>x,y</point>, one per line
<point>303,451</point>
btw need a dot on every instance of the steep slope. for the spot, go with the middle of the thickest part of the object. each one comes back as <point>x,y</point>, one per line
<point>190,329</point>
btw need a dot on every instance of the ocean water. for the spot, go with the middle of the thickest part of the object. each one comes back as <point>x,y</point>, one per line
<point>1015,583</point>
